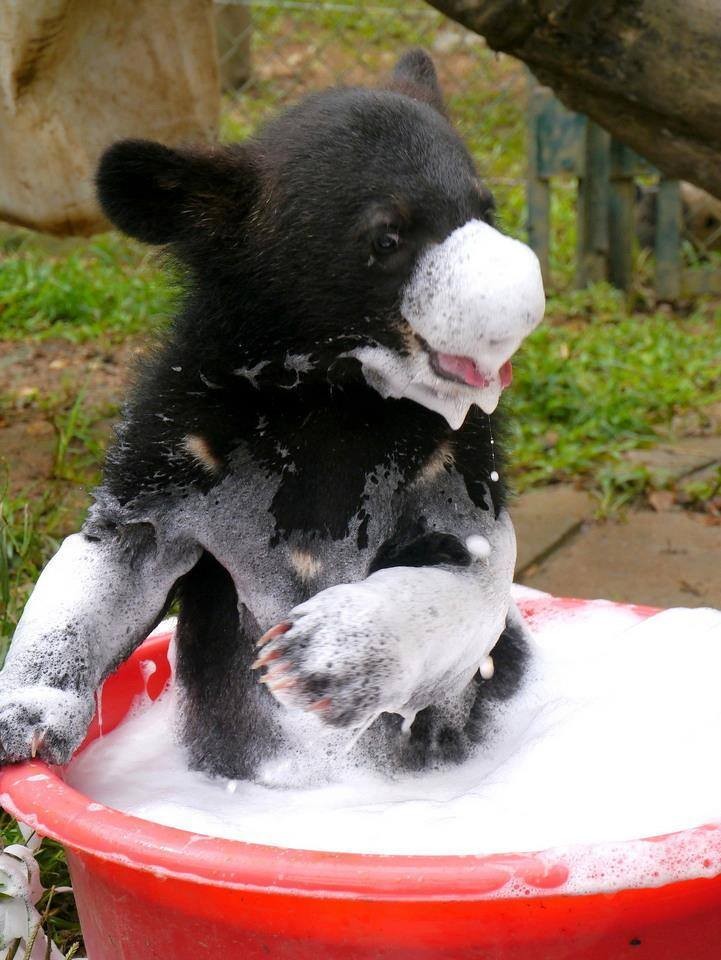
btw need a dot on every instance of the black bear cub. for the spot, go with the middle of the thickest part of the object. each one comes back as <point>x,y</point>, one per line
<point>308,462</point>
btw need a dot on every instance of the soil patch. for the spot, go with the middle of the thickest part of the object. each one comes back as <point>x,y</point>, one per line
<point>41,381</point>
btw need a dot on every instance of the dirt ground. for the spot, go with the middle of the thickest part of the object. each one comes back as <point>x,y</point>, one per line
<point>40,382</point>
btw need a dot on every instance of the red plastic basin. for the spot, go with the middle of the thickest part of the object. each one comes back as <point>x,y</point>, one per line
<point>149,892</point>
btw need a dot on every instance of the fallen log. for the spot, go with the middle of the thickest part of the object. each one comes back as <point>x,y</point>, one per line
<point>646,70</point>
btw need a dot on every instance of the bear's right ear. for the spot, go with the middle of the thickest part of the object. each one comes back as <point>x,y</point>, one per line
<point>415,75</point>
<point>158,194</point>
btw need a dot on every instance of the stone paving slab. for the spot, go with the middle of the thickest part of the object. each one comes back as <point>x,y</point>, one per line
<point>675,460</point>
<point>545,518</point>
<point>661,559</point>
<point>705,475</point>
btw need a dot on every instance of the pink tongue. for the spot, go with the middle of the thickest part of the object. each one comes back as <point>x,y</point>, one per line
<point>465,369</point>
<point>506,375</point>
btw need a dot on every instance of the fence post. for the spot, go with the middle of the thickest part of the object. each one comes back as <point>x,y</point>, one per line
<point>233,29</point>
<point>621,221</point>
<point>593,190</point>
<point>538,191</point>
<point>668,240</point>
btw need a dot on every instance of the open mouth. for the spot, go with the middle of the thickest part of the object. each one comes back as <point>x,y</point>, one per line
<point>459,369</point>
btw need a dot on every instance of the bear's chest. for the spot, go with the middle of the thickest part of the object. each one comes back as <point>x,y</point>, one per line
<point>298,525</point>
<point>284,536</point>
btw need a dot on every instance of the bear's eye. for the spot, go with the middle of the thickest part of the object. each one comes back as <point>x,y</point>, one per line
<point>386,242</point>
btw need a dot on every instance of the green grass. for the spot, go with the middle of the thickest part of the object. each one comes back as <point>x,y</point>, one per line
<point>30,532</point>
<point>590,388</point>
<point>108,287</point>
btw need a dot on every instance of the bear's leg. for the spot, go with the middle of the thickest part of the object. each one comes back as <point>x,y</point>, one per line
<point>229,721</point>
<point>447,732</point>
<point>94,603</point>
<point>402,639</point>
<point>510,659</point>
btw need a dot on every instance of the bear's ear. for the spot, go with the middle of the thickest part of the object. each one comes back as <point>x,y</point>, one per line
<point>415,75</point>
<point>158,194</point>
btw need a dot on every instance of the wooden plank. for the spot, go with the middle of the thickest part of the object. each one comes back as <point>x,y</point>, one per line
<point>668,240</point>
<point>557,134</point>
<point>621,227</point>
<point>538,193</point>
<point>593,192</point>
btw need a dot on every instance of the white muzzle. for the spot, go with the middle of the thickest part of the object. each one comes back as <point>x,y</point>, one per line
<point>470,302</point>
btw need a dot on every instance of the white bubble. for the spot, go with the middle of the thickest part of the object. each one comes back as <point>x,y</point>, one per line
<point>478,546</point>
<point>488,668</point>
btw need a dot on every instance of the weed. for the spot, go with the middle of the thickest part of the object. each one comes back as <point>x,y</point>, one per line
<point>32,524</point>
<point>587,390</point>
<point>79,449</point>
<point>56,906</point>
<point>108,286</point>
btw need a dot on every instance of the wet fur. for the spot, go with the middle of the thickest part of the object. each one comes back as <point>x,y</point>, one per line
<point>253,435</point>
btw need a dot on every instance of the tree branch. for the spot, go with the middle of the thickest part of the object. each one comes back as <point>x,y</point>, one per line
<point>646,70</point>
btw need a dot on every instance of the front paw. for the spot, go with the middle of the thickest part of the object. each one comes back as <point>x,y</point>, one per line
<point>335,655</point>
<point>43,721</point>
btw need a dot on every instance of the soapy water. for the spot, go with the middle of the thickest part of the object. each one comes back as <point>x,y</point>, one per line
<point>613,737</point>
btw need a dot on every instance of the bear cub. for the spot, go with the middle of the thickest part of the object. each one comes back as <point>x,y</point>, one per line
<point>308,463</point>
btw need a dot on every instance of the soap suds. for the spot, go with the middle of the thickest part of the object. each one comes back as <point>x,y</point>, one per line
<point>475,295</point>
<point>613,737</point>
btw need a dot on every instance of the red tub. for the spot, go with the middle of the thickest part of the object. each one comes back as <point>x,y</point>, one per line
<point>148,892</point>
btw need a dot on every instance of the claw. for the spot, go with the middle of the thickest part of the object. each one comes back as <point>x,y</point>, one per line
<point>36,742</point>
<point>265,658</point>
<point>320,705</point>
<point>275,685</point>
<point>274,632</point>
<point>276,671</point>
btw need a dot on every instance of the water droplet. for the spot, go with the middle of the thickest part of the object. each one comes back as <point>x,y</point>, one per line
<point>487,668</point>
<point>494,476</point>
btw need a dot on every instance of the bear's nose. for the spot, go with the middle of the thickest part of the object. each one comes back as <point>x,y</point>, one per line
<point>477,294</point>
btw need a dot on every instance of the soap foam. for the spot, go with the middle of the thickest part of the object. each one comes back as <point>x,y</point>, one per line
<point>613,737</point>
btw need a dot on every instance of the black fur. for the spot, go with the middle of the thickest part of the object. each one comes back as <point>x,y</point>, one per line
<point>425,550</point>
<point>262,285</point>
<point>214,648</point>
<point>271,236</point>
<point>296,247</point>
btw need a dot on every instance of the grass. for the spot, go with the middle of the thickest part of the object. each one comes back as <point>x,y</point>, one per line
<point>30,532</point>
<point>588,391</point>
<point>109,287</point>
<point>605,374</point>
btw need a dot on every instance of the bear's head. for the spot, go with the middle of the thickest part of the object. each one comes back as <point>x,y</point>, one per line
<point>351,234</point>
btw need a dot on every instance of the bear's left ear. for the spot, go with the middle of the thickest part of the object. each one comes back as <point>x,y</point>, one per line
<point>159,194</point>
<point>415,75</point>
